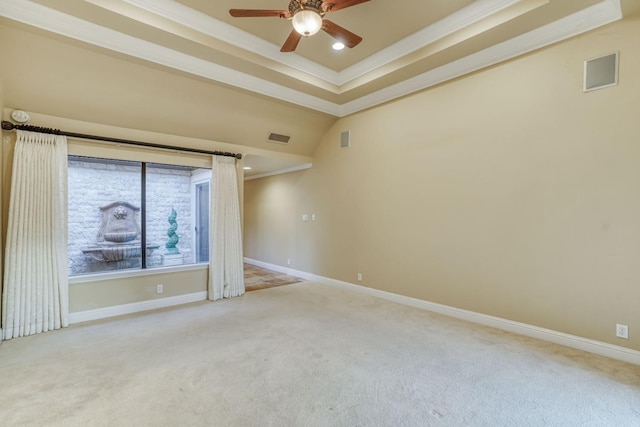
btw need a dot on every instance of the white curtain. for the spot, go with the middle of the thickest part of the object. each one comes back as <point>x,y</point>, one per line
<point>36,286</point>
<point>226,275</point>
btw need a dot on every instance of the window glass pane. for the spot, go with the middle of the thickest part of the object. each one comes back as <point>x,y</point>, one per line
<point>202,221</point>
<point>103,215</point>
<point>174,216</point>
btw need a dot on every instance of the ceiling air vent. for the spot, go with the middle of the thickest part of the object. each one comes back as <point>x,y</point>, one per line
<point>278,138</point>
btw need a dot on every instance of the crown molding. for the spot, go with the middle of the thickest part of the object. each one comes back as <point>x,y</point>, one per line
<point>476,11</point>
<point>200,22</point>
<point>34,14</point>
<point>588,19</point>
<point>279,171</point>
<point>42,17</point>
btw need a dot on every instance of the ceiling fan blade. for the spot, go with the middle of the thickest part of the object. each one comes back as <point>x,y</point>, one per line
<point>257,13</point>
<point>337,32</point>
<point>292,42</point>
<point>333,5</point>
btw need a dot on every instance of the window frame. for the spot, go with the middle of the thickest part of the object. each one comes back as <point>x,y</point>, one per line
<point>199,177</point>
<point>201,164</point>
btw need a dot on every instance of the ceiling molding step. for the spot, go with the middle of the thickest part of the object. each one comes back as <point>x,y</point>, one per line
<point>476,11</point>
<point>45,18</point>
<point>37,15</point>
<point>198,21</point>
<point>588,19</point>
<point>80,126</point>
<point>211,37</point>
<point>279,172</point>
<point>474,29</point>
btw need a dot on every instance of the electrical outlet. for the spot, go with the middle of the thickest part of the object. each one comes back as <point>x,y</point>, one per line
<point>159,289</point>
<point>359,277</point>
<point>622,331</point>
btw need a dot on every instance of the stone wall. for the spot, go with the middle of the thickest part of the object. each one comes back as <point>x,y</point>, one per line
<point>96,184</point>
<point>167,189</point>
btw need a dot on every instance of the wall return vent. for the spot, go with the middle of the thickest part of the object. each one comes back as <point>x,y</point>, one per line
<point>278,138</point>
<point>345,139</point>
<point>601,72</point>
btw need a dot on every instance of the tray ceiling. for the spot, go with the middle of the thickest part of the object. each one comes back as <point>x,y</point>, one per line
<point>407,46</point>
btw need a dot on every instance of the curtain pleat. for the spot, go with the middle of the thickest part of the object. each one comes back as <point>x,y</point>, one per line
<point>35,293</point>
<point>226,274</point>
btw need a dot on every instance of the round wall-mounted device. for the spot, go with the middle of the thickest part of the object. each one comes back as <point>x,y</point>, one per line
<point>20,116</point>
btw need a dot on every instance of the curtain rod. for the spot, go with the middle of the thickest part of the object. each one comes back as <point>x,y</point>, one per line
<point>11,126</point>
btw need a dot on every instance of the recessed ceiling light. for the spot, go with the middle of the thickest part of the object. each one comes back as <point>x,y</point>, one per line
<point>338,46</point>
<point>247,168</point>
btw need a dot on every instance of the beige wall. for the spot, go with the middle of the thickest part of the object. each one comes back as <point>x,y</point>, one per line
<point>48,74</point>
<point>91,295</point>
<point>509,192</point>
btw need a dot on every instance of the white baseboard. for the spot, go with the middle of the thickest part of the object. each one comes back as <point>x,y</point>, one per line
<point>135,307</point>
<point>597,347</point>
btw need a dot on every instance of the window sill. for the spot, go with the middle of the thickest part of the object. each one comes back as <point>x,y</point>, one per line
<point>135,273</point>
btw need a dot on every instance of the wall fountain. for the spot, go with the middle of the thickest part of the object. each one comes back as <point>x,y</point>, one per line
<point>119,235</point>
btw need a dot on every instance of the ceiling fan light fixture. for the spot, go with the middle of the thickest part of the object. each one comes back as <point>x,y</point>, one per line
<point>307,22</point>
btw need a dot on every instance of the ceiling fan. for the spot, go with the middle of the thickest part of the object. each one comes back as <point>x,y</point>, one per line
<point>308,18</point>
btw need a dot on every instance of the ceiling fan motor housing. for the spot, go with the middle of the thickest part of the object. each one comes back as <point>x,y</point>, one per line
<point>297,5</point>
<point>307,18</point>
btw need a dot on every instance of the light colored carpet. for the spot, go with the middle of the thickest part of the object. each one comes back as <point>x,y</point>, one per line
<point>306,355</point>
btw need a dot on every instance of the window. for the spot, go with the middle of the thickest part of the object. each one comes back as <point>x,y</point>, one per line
<point>201,217</point>
<point>106,212</point>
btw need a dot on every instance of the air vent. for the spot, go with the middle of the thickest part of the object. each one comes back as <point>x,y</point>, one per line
<point>601,72</point>
<point>345,139</point>
<point>278,138</point>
